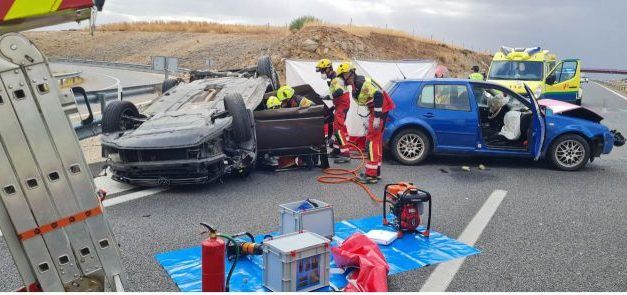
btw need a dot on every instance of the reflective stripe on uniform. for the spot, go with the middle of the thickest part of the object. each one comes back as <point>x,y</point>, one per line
<point>304,102</point>
<point>336,84</point>
<point>339,137</point>
<point>371,152</point>
<point>367,92</point>
<point>370,166</point>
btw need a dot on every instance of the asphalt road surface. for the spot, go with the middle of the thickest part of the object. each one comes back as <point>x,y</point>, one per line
<point>101,78</point>
<point>549,231</point>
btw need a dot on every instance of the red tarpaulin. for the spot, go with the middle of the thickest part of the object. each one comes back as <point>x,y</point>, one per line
<point>372,270</point>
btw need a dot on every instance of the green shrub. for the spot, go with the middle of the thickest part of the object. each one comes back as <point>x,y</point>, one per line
<point>300,22</point>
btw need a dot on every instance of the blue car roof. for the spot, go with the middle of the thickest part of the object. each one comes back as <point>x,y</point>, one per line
<point>445,80</point>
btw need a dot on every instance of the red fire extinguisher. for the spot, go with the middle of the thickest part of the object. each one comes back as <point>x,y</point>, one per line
<point>213,263</point>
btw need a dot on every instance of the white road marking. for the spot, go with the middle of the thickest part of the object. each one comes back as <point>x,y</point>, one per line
<point>129,197</point>
<point>111,186</point>
<point>612,91</point>
<point>116,84</point>
<point>133,196</point>
<point>444,273</point>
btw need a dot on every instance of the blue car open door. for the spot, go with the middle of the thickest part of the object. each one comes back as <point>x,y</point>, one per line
<point>539,126</point>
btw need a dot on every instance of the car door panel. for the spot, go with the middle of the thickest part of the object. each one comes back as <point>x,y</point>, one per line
<point>455,123</point>
<point>290,131</point>
<point>538,126</point>
<point>564,81</point>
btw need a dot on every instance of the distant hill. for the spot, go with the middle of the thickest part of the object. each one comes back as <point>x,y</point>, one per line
<point>233,46</point>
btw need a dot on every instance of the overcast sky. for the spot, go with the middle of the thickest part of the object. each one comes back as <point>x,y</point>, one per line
<point>594,31</point>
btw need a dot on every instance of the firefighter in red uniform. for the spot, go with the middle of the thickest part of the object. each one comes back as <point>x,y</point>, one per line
<point>368,93</point>
<point>341,101</point>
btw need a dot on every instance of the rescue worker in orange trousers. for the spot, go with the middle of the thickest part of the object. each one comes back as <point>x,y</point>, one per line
<point>367,92</point>
<point>341,100</point>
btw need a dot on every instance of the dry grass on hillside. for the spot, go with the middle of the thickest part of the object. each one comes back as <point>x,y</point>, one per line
<point>193,27</point>
<point>365,31</point>
<point>218,28</point>
<point>234,46</point>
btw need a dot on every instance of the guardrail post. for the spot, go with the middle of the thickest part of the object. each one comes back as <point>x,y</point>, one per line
<point>103,102</point>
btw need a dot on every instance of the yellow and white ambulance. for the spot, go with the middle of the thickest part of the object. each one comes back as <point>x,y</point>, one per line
<point>540,69</point>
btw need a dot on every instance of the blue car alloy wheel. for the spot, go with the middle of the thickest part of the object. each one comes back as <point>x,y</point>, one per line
<point>569,152</point>
<point>410,146</point>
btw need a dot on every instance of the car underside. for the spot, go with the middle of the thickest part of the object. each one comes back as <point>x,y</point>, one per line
<point>197,132</point>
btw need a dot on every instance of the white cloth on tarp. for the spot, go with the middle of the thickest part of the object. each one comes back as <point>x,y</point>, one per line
<point>384,72</point>
<point>299,72</point>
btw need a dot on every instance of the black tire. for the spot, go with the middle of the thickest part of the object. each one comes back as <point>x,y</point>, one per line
<point>112,117</point>
<point>411,146</point>
<point>265,68</point>
<point>241,126</point>
<point>569,152</point>
<point>168,84</point>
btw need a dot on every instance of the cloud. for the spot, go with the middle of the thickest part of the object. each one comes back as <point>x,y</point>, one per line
<point>572,28</point>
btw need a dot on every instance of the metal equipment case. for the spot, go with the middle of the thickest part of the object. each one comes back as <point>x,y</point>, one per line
<point>319,220</point>
<point>296,262</point>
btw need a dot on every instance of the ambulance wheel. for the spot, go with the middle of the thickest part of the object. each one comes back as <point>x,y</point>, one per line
<point>411,146</point>
<point>569,152</point>
<point>116,116</point>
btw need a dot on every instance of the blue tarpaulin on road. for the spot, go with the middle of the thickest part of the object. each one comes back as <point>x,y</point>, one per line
<point>407,253</point>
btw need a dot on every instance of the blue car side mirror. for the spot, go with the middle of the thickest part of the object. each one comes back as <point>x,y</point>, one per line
<point>548,112</point>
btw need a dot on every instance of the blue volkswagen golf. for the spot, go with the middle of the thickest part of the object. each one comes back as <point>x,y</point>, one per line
<point>451,116</point>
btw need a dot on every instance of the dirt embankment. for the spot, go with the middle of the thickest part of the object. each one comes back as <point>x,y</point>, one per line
<point>242,49</point>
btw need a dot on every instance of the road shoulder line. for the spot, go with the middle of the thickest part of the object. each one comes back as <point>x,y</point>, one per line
<point>441,277</point>
<point>612,90</point>
<point>132,196</point>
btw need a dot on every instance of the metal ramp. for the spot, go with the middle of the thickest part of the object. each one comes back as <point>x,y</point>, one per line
<point>53,222</point>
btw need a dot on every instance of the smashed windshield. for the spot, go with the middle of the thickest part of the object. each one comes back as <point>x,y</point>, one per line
<point>516,70</point>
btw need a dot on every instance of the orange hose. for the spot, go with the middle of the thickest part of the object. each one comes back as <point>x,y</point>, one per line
<point>341,175</point>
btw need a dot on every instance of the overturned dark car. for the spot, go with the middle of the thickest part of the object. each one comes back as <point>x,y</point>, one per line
<point>214,125</point>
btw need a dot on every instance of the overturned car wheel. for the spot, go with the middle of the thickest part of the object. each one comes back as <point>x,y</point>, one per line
<point>242,124</point>
<point>265,68</point>
<point>114,117</point>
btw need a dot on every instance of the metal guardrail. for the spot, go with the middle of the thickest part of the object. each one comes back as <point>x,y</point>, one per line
<point>620,85</point>
<point>114,65</point>
<point>102,96</point>
<point>89,130</point>
<point>68,75</point>
<point>111,94</point>
<point>604,71</point>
